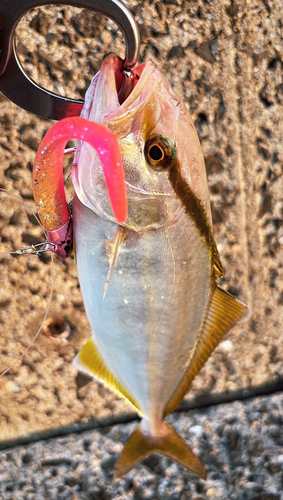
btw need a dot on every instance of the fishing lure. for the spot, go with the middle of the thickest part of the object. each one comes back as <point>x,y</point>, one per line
<point>147,263</point>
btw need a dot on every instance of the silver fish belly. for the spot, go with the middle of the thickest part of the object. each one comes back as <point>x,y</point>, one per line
<point>145,328</point>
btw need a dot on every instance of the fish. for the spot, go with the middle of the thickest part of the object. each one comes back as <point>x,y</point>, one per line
<point>148,276</point>
<point>149,284</point>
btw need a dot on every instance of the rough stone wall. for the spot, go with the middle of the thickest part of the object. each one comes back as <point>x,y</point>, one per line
<point>226,61</point>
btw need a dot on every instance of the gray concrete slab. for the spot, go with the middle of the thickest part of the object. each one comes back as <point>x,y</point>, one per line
<point>239,442</point>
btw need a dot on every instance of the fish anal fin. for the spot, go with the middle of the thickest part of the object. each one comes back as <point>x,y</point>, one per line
<point>224,312</point>
<point>89,361</point>
<point>168,443</point>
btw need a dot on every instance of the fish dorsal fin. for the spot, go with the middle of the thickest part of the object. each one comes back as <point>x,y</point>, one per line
<point>119,238</point>
<point>89,361</point>
<point>224,312</point>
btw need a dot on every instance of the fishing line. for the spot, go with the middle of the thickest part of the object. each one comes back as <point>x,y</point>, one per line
<point>24,251</point>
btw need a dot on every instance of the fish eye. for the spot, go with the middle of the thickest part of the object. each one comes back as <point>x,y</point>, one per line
<point>160,152</point>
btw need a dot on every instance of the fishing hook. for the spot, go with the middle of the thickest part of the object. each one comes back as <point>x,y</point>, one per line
<point>37,249</point>
<point>25,92</point>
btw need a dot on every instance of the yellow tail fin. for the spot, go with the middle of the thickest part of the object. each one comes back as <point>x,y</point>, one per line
<point>168,443</point>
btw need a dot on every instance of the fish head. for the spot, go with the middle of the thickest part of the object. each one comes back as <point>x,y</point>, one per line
<point>156,137</point>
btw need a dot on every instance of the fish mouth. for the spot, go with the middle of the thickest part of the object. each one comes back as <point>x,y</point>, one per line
<point>126,80</point>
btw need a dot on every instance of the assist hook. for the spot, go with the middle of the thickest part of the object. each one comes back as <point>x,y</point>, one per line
<point>25,92</point>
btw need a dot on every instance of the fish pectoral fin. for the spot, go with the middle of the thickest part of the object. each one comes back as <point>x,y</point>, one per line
<point>89,361</point>
<point>119,238</point>
<point>168,443</point>
<point>224,312</point>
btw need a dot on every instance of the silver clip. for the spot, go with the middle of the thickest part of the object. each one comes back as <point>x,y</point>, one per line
<point>37,249</point>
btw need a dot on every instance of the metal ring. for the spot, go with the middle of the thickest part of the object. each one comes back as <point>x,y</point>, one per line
<point>25,92</point>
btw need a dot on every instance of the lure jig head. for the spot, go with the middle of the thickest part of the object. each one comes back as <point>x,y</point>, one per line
<point>24,91</point>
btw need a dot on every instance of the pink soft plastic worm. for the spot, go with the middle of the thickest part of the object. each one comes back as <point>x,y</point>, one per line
<point>48,184</point>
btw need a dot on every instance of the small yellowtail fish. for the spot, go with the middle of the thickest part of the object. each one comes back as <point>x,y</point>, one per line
<point>149,282</point>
